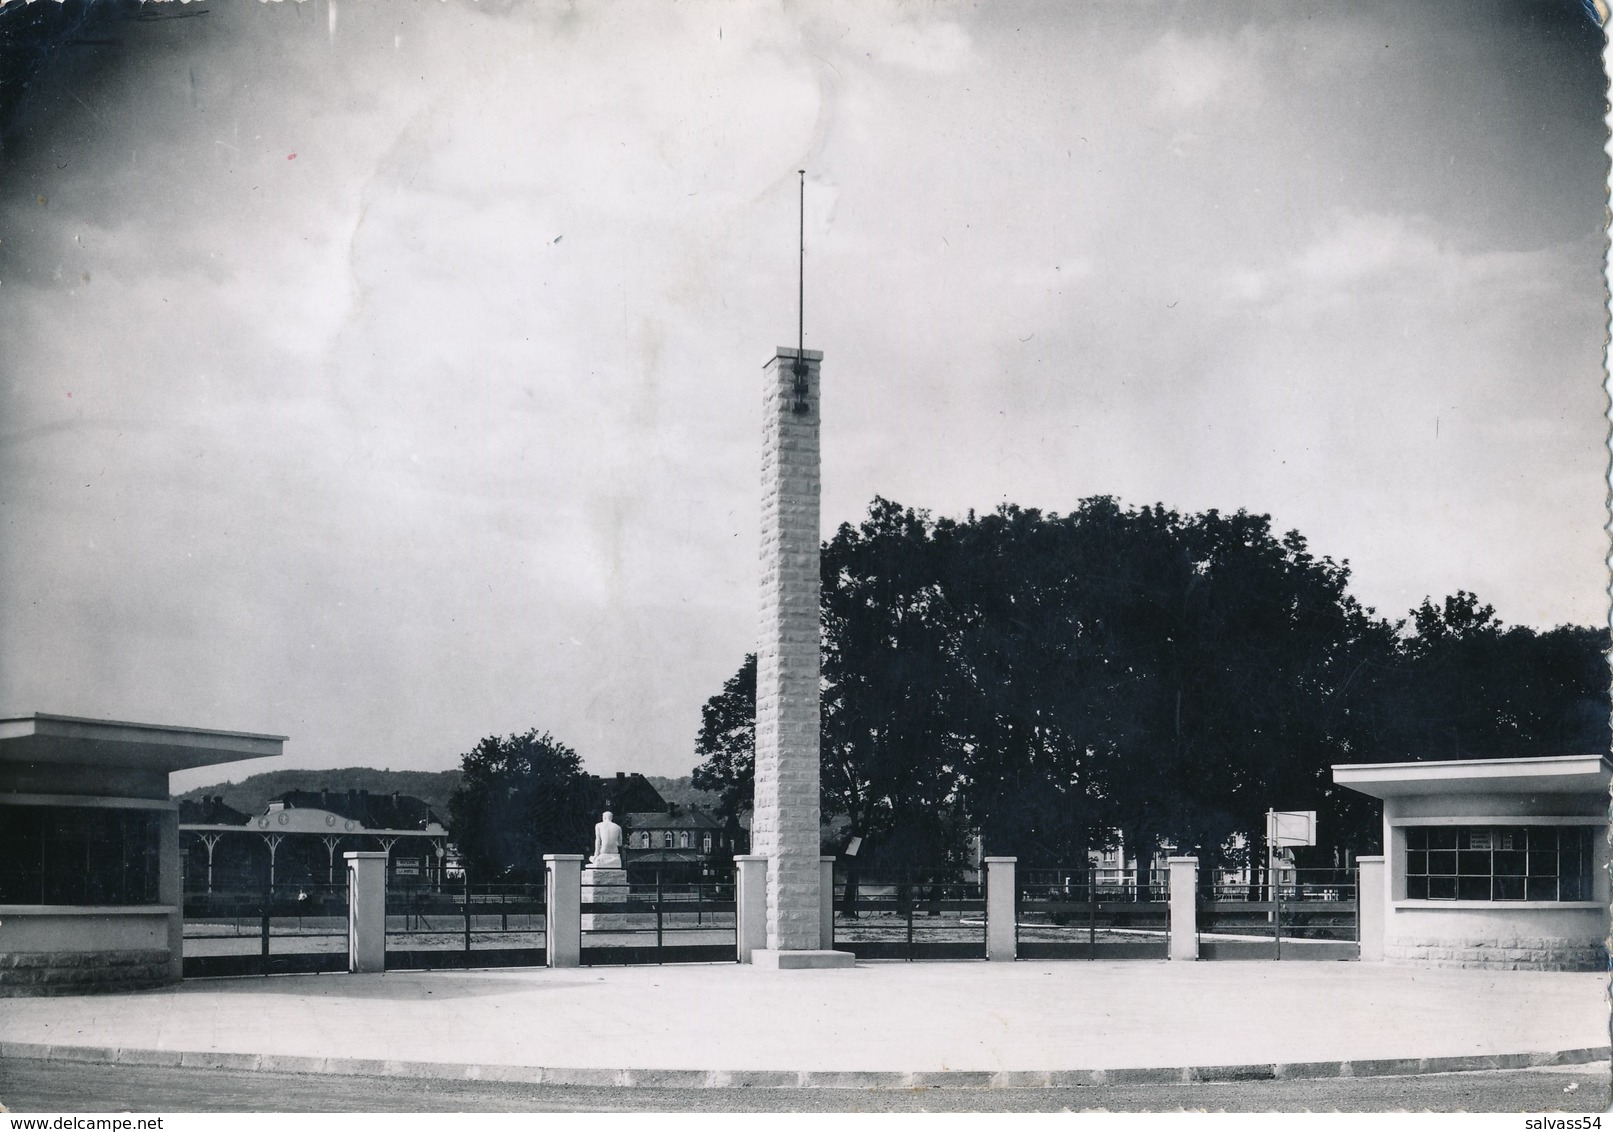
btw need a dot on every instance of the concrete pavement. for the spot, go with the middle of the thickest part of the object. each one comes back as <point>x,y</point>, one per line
<point>880,1023</point>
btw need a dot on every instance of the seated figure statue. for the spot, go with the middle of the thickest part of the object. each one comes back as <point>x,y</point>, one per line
<point>607,845</point>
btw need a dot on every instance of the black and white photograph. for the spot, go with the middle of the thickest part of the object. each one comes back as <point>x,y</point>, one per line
<point>803,556</point>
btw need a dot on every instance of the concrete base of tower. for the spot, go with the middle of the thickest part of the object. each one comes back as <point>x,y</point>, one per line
<point>801,960</point>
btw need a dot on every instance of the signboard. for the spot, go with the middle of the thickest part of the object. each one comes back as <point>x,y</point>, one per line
<point>1291,827</point>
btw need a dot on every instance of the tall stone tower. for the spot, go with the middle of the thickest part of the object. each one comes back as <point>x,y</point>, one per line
<point>784,825</point>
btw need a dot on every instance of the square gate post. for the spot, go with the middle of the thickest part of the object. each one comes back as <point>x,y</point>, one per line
<point>750,904</point>
<point>1002,943</point>
<point>1184,907</point>
<point>1369,907</point>
<point>366,912</point>
<point>562,909</point>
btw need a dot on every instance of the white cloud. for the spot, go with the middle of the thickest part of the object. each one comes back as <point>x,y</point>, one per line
<point>1188,73</point>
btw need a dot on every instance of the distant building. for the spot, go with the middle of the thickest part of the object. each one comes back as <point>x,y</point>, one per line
<point>300,837</point>
<point>682,841</point>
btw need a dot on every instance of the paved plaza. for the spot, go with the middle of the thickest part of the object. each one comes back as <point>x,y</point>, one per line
<point>964,1023</point>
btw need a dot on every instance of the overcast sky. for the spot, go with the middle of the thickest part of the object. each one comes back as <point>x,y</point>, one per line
<point>389,375</point>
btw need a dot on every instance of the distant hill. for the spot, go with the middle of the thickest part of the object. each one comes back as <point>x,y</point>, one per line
<point>252,795</point>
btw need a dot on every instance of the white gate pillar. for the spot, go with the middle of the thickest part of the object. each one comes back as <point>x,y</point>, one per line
<point>750,904</point>
<point>366,912</point>
<point>562,909</point>
<point>1369,907</point>
<point>1002,942</point>
<point>1184,907</point>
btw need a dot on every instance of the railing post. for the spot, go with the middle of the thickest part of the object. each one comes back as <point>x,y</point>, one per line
<point>1002,944</point>
<point>562,918</point>
<point>467,907</point>
<point>366,912</point>
<point>265,913</point>
<point>658,915</point>
<point>1184,929</point>
<point>1369,909</point>
<point>907,895</point>
<point>750,904</point>
<point>1277,920</point>
<point>1092,912</point>
<point>826,903</point>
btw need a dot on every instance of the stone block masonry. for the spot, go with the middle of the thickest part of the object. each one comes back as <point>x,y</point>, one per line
<point>785,823</point>
<point>80,972</point>
<point>1506,953</point>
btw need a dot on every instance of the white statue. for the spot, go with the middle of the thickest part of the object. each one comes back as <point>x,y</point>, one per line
<point>607,845</point>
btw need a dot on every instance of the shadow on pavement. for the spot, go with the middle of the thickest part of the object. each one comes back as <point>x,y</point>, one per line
<point>402,986</point>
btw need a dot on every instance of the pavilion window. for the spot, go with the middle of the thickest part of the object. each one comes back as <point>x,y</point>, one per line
<point>78,855</point>
<point>1540,863</point>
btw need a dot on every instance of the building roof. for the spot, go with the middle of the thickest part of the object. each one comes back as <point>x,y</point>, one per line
<point>1555,774</point>
<point>210,811</point>
<point>376,811</point>
<point>625,793</point>
<point>678,817</point>
<point>311,819</point>
<point>42,738</point>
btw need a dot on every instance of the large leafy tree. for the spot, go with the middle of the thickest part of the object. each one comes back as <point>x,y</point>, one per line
<point>727,743</point>
<point>1049,680</point>
<point>892,758</point>
<point>518,798</point>
<point>1463,685</point>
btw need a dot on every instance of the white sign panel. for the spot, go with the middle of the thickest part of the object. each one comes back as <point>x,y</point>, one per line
<point>1292,827</point>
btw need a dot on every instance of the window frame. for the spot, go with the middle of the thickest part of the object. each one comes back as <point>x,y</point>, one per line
<point>1504,862</point>
<point>41,843</point>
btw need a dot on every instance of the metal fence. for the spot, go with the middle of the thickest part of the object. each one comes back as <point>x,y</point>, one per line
<point>1304,914</point>
<point>477,925</point>
<point>276,929</point>
<point>658,921</point>
<point>907,915</point>
<point>1085,912</point>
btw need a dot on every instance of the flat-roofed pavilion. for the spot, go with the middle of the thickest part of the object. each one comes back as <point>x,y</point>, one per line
<point>89,848</point>
<point>1488,862</point>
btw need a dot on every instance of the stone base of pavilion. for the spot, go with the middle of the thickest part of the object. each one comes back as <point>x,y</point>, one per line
<point>776,960</point>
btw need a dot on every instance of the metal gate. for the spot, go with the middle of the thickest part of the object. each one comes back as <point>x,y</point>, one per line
<point>477,925</point>
<point>1090,913</point>
<point>904,915</point>
<point>690,921</point>
<point>275,930</point>
<point>1305,914</point>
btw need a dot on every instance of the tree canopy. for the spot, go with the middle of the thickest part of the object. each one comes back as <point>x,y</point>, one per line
<point>517,799</point>
<point>1049,680</point>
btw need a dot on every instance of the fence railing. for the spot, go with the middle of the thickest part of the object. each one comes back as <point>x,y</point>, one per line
<point>899,914</point>
<point>658,921</point>
<point>1298,914</point>
<point>1093,913</point>
<point>477,925</point>
<point>275,929</point>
